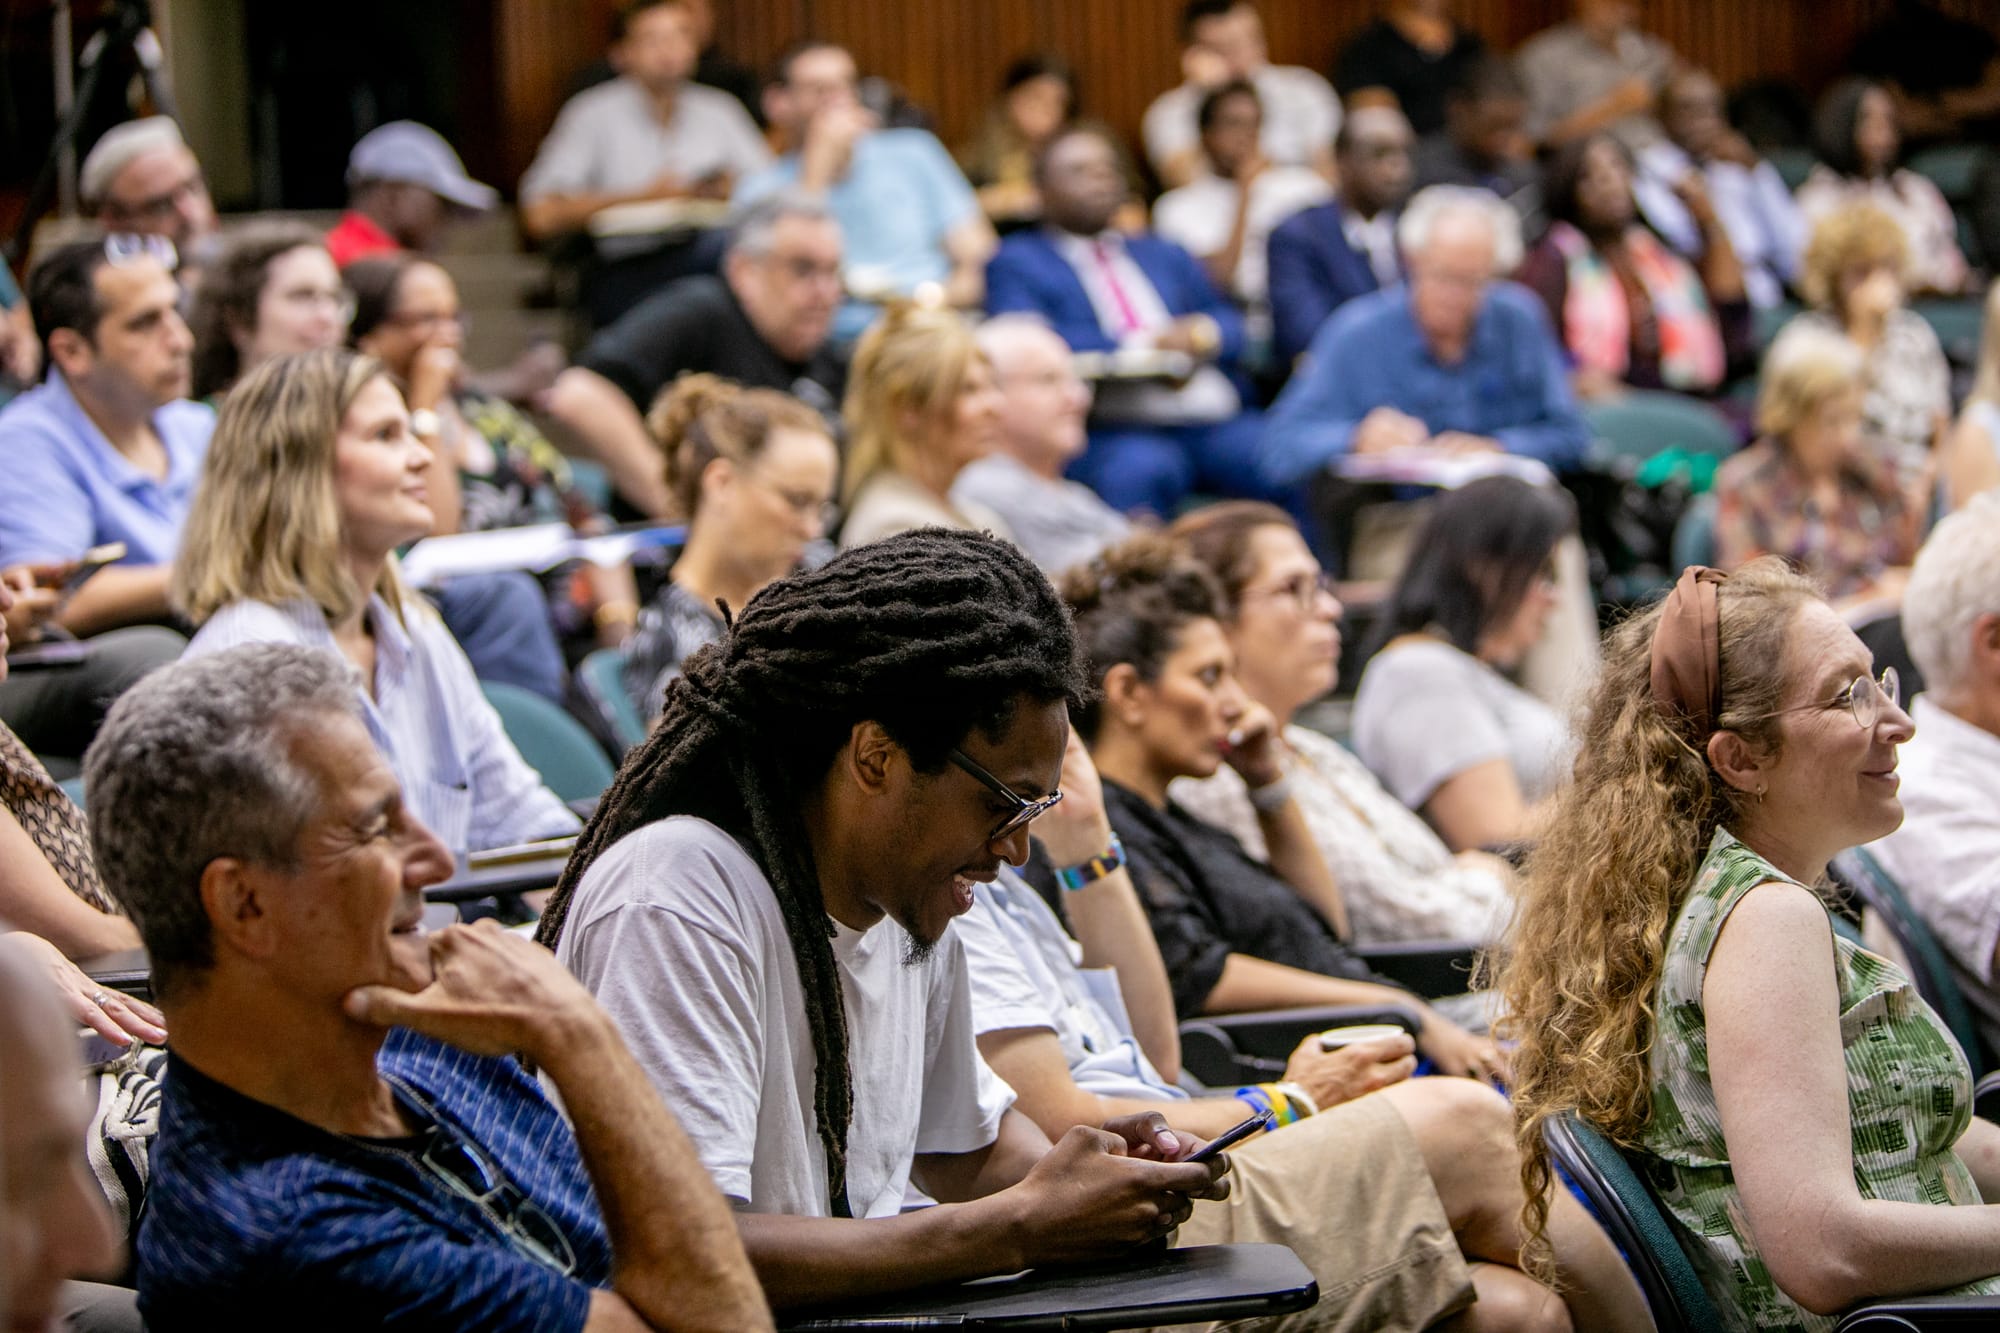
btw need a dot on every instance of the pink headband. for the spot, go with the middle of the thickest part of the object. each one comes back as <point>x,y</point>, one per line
<point>1687,658</point>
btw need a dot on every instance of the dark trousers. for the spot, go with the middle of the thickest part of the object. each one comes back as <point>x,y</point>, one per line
<point>56,710</point>
<point>502,623</point>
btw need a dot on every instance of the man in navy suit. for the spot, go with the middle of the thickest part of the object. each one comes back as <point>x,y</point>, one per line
<point>1151,442</point>
<point>1334,252</point>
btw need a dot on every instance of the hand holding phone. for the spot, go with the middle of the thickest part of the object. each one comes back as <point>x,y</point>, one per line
<point>1230,1137</point>
<point>87,564</point>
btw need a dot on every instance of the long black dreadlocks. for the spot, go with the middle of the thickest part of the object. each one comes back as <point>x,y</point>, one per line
<point>930,634</point>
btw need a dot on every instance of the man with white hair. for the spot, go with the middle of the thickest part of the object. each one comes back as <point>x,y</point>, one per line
<point>1043,408</point>
<point>1946,856</point>
<point>1450,359</point>
<point>141,177</point>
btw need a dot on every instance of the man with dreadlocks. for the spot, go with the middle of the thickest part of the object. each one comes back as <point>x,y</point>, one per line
<point>867,741</point>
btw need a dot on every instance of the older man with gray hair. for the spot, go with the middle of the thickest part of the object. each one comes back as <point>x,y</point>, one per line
<point>764,322</point>
<point>1946,856</point>
<point>1043,409</point>
<point>344,1136</point>
<point>142,177</point>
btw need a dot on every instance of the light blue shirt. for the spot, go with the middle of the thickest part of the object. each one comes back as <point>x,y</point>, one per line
<point>901,196</point>
<point>1512,385</point>
<point>1764,223</point>
<point>64,489</point>
<point>1026,973</point>
<point>460,773</point>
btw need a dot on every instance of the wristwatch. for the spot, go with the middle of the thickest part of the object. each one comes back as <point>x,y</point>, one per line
<point>426,424</point>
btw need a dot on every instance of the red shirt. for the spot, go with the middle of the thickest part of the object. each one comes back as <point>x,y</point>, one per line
<point>356,236</point>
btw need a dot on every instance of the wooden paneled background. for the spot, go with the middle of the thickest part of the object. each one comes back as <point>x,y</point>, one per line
<point>948,54</point>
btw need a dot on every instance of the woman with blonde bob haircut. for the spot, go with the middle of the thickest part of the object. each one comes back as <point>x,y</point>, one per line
<point>1676,981</point>
<point>312,481</point>
<point>921,404</point>
<point>1971,460</point>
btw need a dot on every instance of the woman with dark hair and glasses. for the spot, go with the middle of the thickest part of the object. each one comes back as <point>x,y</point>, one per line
<point>1282,619</point>
<point>1436,716</point>
<point>751,473</point>
<point>1236,933</point>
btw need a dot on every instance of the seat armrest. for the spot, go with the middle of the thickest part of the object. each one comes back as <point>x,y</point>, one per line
<point>1226,1050</point>
<point>1986,1097</point>
<point>1918,1314</point>
<point>129,971</point>
<point>1430,968</point>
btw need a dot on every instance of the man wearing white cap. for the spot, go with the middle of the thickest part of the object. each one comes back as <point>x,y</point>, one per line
<point>404,184</point>
<point>141,177</point>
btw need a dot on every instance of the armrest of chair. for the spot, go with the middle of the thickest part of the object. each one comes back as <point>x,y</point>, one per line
<point>1430,968</point>
<point>1917,1314</point>
<point>128,970</point>
<point>1225,1050</point>
<point>1986,1097</point>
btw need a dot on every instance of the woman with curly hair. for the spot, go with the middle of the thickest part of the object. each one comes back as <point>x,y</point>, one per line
<point>1676,981</point>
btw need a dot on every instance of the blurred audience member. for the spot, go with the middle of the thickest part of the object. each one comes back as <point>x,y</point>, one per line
<point>1225,215</point>
<point>1971,460</point>
<point>714,68</point>
<point>314,480</point>
<point>1326,255</point>
<point>1856,278</point>
<point>1943,70</point>
<point>1596,72</point>
<point>1236,933</point>
<point>1764,224</point>
<point>1630,311</point>
<point>1810,489</point>
<point>1437,717</point>
<point>1860,145</point>
<point>1451,360</point>
<point>20,350</point>
<point>494,467</point>
<point>339,1073</point>
<point>764,323</point>
<point>1408,59</point>
<point>141,177</point>
<point>908,220</point>
<point>752,474</point>
<point>404,186</point>
<point>58,1228</point>
<point>1484,142</point>
<point>1223,41</point>
<point>272,289</point>
<point>921,405</point>
<point>648,135</point>
<point>1044,408</point>
<point>1105,291</point>
<point>1397,879</point>
<point>106,449</point>
<point>1037,98</point>
<point>1946,855</point>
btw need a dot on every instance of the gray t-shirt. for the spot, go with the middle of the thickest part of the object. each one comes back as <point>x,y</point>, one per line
<point>1426,712</point>
<point>607,139</point>
<point>679,936</point>
<point>1058,523</point>
<point>1027,973</point>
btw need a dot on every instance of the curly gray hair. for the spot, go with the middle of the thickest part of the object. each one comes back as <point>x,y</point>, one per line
<point>192,764</point>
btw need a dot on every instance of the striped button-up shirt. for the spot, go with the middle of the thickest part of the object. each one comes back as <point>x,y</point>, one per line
<point>460,773</point>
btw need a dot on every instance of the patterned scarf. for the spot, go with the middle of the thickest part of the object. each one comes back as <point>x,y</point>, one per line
<point>1598,315</point>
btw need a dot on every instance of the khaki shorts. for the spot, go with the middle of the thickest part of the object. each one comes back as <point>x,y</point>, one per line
<point>1348,1192</point>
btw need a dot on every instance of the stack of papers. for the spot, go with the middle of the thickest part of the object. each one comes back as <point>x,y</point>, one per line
<point>536,548</point>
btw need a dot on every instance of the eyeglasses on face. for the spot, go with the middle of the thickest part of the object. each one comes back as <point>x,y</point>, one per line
<point>1863,699</point>
<point>1304,589</point>
<point>127,247</point>
<point>1025,810</point>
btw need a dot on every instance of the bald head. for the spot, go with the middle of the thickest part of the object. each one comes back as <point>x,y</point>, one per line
<point>57,1226</point>
<point>1043,403</point>
<point>1373,149</point>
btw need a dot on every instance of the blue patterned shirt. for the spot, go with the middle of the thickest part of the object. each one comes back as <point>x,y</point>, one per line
<point>258,1220</point>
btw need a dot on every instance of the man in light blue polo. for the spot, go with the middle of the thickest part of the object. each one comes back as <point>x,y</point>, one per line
<point>106,448</point>
<point>907,217</point>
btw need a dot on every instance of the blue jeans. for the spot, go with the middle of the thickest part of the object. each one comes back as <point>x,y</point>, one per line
<point>502,623</point>
<point>1151,469</point>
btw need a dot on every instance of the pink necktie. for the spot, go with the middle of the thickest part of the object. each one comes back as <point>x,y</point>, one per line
<point>1128,317</point>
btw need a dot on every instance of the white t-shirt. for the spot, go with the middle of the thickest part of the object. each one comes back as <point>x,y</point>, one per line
<point>679,935</point>
<point>1199,215</point>
<point>1426,712</point>
<point>1301,116</point>
<point>1027,973</point>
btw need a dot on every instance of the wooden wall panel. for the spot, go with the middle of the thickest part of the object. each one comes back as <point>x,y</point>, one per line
<point>949,54</point>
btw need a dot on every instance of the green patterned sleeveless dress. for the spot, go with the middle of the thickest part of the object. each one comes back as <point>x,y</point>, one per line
<point>1909,1097</point>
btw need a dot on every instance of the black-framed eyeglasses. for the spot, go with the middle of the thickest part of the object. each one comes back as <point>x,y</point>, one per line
<point>467,1170</point>
<point>1863,698</point>
<point>1025,810</point>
